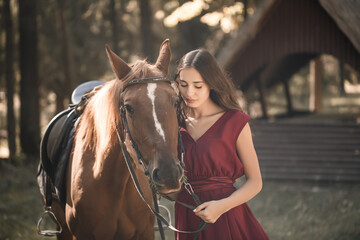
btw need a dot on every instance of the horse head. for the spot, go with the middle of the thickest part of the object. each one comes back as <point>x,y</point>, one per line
<point>150,112</point>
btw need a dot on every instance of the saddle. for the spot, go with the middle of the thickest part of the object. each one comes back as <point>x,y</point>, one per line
<point>57,144</point>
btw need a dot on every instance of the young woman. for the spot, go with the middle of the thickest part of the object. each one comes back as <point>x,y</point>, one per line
<point>219,149</point>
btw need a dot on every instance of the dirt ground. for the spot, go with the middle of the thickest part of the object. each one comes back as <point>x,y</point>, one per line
<point>286,210</point>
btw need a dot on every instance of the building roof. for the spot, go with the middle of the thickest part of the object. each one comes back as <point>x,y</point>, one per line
<point>279,29</point>
<point>346,14</point>
<point>245,34</point>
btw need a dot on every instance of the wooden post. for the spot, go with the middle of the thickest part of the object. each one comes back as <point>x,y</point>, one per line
<point>288,98</point>
<point>315,100</point>
<point>342,78</point>
<point>262,97</point>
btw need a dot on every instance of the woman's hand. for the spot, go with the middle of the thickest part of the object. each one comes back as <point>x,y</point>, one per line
<point>210,211</point>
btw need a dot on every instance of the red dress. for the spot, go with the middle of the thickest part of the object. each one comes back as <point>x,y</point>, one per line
<point>212,165</point>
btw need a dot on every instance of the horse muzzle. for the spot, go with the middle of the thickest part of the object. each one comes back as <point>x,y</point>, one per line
<point>167,178</point>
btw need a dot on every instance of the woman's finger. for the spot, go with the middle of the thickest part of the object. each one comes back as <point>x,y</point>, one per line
<point>200,207</point>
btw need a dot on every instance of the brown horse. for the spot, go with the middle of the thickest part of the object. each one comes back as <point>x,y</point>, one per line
<point>101,199</point>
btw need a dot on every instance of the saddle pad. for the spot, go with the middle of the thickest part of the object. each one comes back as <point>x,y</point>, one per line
<point>55,149</point>
<point>54,166</point>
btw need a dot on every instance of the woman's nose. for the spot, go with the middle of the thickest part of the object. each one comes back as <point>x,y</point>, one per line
<point>189,91</point>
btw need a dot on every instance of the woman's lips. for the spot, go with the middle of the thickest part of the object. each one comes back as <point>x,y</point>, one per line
<point>190,100</point>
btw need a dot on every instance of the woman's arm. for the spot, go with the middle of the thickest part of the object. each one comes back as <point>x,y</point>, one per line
<point>211,211</point>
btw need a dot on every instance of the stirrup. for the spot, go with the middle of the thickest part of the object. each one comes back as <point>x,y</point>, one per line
<point>49,233</point>
<point>156,228</point>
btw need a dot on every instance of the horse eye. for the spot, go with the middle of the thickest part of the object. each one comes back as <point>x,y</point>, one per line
<point>129,109</point>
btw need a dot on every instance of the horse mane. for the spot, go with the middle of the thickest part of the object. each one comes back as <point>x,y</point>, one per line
<point>97,127</point>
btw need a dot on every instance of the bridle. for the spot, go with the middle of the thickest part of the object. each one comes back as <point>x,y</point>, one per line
<point>126,126</point>
<point>187,186</point>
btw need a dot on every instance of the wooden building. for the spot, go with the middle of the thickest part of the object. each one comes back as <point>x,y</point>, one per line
<point>280,38</point>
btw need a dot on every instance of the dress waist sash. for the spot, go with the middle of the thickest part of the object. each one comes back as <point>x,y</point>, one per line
<point>200,185</point>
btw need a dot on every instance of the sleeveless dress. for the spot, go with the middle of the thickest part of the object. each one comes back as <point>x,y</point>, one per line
<point>212,166</point>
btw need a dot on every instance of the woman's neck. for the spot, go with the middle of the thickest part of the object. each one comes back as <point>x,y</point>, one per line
<point>207,109</point>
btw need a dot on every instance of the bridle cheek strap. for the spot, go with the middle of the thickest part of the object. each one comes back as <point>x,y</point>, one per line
<point>202,226</point>
<point>126,130</point>
<point>126,126</point>
<point>136,148</point>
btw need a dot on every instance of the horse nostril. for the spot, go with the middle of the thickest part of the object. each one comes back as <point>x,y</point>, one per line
<point>156,177</point>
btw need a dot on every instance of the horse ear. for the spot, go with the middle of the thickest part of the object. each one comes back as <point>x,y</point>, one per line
<point>163,60</point>
<point>119,67</point>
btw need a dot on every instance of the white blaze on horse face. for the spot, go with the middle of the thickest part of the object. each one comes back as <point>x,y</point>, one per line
<point>151,94</point>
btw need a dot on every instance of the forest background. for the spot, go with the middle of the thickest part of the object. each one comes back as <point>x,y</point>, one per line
<point>48,47</point>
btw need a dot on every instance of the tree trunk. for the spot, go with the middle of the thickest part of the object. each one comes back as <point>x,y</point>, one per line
<point>60,95</point>
<point>246,4</point>
<point>65,51</point>
<point>146,32</point>
<point>29,93</point>
<point>198,31</point>
<point>114,23</point>
<point>127,43</point>
<point>10,80</point>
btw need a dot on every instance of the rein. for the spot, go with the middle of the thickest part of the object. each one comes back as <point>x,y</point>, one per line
<point>160,218</point>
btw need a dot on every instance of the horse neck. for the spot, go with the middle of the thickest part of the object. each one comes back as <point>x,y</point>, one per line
<point>97,128</point>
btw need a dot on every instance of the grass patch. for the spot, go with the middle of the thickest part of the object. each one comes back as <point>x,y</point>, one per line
<point>20,202</point>
<point>286,210</point>
<point>306,210</point>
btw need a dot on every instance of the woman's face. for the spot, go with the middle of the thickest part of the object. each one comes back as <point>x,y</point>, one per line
<point>193,88</point>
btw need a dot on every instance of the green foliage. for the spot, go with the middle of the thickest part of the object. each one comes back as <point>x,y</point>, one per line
<point>72,51</point>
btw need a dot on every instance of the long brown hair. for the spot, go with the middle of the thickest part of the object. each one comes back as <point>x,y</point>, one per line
<point>222,88</point>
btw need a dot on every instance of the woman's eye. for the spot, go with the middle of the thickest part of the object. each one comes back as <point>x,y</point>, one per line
<point>182,85</point>
<point>198,87</point>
